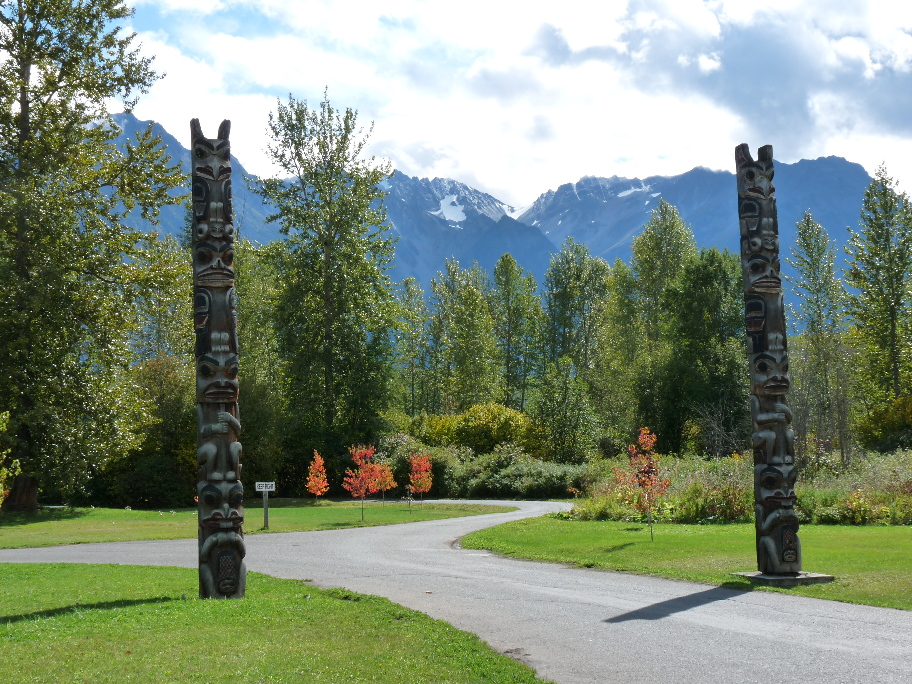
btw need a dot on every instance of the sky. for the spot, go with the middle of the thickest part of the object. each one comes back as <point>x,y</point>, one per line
<point>516,98</point>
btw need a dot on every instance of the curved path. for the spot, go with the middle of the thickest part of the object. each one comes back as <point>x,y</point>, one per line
<point>571,625</point>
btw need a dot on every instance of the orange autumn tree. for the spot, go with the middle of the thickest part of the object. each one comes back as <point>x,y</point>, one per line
<point>363,480</point>
<point>317,484</point>
<point>383,479</point>
<point>420,477</point>
<point>643,475</point>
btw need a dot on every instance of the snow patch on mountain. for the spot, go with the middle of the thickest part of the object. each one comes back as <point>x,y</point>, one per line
<point>449,210</point>
<point>642,188</point>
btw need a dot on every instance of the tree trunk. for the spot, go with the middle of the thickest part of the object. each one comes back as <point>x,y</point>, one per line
<point>23,496</point>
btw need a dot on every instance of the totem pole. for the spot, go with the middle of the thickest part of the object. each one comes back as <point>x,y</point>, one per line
<point>222,573</point>
<point>778,546</point>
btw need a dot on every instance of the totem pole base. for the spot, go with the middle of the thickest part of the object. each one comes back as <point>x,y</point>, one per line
<point>785,581</point>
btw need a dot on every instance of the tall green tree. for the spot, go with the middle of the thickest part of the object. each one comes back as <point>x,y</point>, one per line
<point>464,348</point>
<point>336,311</point>
<point>660,253</point>
<point>879,273</point>
<point>818,357</point>
<point>575,287</point>
<point>517,317</point>
<point>67,273</point>
<point>412,346</point>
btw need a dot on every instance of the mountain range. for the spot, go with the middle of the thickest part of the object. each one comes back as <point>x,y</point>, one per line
<point>441,218</point>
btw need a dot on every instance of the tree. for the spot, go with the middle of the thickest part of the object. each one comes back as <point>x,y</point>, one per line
<point>383,478</point>
<point>567,426</point>
<point>644,474</point>
<point>363,480</point>
<point>420,476</point>
<point>412,344</point>
<point>659,255</point>
<point>67,264</point>
<point>818,357</point>
<point>517,316</point>
<point>575,288</point>
<point>317,483</point>
<point>463,348</point>
<point>880,269</point>
<point>336,311</point>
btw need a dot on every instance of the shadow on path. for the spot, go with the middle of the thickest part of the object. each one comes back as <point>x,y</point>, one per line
<point>657,611</point>
<point>101,605</point>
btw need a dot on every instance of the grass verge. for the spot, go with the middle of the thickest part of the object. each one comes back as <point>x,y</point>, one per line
<point>50,527</point>
<point>111,623</point>
<point>871,564</point>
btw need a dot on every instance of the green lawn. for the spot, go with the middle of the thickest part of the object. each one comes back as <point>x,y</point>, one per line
<point>109,623</point>
<point>872,565</point>
<point>49,527</point>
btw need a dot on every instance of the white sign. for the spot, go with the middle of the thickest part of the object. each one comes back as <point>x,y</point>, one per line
<point>265,486</point>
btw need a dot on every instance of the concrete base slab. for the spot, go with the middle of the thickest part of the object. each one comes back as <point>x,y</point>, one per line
<point>785,581</point>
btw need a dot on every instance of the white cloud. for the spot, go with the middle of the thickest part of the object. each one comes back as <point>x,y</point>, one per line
<point>519,101</point>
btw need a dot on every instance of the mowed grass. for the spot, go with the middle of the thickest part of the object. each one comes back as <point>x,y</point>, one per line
<point>110,623</point>
<point>50,527</point>
<point>872,565</point>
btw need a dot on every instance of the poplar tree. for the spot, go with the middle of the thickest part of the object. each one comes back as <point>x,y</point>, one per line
<point>879,273</point>
<point>517,314</point>
<point>336,311</point>
<point>818,364</point>
<point>67,264</point>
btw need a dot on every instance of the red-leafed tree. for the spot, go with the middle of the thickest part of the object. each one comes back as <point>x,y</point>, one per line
<point>362,481</point>
<point>644,474</point>
<point>420,477</point>
<point>317,484</point>
<point>383,478</point>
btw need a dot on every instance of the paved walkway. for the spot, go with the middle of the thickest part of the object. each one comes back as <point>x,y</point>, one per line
<point>571,625</point>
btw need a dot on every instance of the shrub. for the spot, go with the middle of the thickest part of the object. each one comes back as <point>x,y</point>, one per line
<point>486,426</point>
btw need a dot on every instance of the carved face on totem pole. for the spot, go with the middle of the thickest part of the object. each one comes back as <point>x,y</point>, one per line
<point>211,161</point>
<point>221,516</point>
<point>217,377</point>
<point>769,374</point>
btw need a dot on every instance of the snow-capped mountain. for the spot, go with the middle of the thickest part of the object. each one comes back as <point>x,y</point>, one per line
<point>441,218</point>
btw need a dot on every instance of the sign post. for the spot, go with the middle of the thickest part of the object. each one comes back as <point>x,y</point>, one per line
<point>265,487</point>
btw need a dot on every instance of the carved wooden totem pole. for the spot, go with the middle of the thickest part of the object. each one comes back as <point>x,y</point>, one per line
<point>778,546</point>
<point>222,573</point>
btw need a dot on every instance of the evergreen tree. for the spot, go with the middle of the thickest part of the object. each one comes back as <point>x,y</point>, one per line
<point>336,311</point>
<point>880,268</point>
<point>67,265</point>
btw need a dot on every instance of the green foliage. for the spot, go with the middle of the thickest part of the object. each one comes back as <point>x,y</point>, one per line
<point>68,267</point>
<point>485,426</point>
<point>887,427</point>
<point>879,273</point>
<point>819,361</point>
<point>335,311</point>
<point>565,428</point>
<point>517,316</point>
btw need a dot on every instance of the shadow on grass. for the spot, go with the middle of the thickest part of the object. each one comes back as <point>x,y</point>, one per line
<point>41,515</point>
<point>664,609</point>
<point>617,547</point>
<point>101,605</point>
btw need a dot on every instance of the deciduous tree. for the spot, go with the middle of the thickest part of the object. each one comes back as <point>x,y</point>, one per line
<point>67,264</point>
<point>336,311</point>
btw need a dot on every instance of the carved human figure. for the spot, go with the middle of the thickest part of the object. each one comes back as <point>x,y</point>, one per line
<point>769,409</point>
<point>219,490</point>
<point>778,546</point>
<point>221,547</point>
